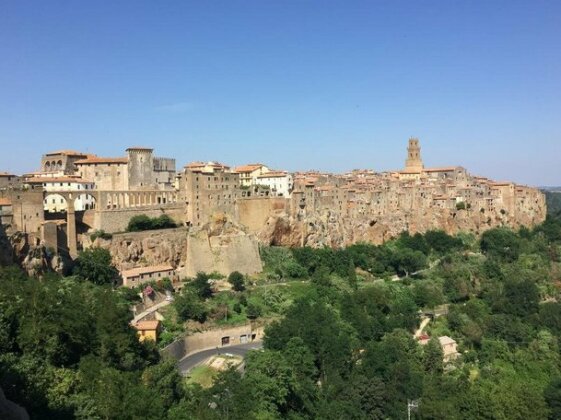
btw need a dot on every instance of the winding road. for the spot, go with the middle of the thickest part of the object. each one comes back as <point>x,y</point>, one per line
<point>189,362</point>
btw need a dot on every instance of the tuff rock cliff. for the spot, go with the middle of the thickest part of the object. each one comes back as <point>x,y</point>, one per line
<point>328,228</point>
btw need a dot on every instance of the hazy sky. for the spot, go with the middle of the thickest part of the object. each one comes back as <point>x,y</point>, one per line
<point>332,85</point>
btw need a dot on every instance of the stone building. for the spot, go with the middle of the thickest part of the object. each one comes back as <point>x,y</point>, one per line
<point>26,208</point>
<point>61,162</point>
<point>6,212</point>
<point>140,170</point>
<point>54,202</point>
<point>207,188</point>
<point>250,172</point>
<point>108,174</point>
<point>8,180</point>
<point>137,276</point>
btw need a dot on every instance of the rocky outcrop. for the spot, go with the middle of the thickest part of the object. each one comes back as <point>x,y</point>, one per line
<point>31,255</point>
<point>224,246</point>
<point>155,247</point>
<point>220,245</point>
<point>329,228</point>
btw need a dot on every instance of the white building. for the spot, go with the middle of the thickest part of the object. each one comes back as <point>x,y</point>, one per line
<point>53,202</point>
<point>279,183</point>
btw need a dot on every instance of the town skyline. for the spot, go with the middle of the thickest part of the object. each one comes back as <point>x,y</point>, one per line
<point>293,84</point>
<point>289,168</point>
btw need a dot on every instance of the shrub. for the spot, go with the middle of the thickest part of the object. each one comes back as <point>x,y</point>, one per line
<point>142,222</point>
<point>236,279</point>
<point>100,234</point>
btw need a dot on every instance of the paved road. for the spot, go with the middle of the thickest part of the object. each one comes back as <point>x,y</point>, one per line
<point>189,362</point>
<point>148,311</point>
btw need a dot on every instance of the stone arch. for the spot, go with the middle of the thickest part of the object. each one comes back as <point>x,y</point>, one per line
<point>85,201</point>
<point>54,202</point>
<point>59,164</point>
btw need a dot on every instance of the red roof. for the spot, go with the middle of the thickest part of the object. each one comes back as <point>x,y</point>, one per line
<point>66,153</point>
<point>92,160</point>
<point>46,180</point>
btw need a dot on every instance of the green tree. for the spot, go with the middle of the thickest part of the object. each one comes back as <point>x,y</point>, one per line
<point>188,306</point>
<point>201,286</point>
<point>501,243</point>
<point>433,356</point>
<point>95,265</point>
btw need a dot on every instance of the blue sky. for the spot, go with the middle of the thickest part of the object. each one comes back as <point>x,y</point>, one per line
<point>331,85</point>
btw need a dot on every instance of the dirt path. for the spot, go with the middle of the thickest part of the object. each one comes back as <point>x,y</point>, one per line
<point>424,323</point>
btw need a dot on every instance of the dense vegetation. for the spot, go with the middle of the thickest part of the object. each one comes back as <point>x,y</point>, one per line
<point>553,201</point>
<point>143,222</point>
<point>341,344</point>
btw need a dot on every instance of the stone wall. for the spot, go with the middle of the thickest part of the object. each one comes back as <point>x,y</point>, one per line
<point>224,247</point>
<point>116,220</point>
<point>212,339</point>
<point>254,212</point>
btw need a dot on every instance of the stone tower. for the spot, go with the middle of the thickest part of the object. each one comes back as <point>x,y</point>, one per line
<point>414,161</point>
<point>140,168</point>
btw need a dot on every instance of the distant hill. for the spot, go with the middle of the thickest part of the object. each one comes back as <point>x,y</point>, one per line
<point>551,189</point>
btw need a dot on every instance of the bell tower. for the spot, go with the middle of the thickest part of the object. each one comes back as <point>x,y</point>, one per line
<point>414,161</point>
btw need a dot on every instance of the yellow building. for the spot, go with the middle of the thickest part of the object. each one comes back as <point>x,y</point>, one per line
<point>148,330</point>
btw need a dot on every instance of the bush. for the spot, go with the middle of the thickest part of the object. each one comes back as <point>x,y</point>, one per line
<point>236,279</point>
<point>253,310</point>
<point>142,222</point>
<point>100,234</point>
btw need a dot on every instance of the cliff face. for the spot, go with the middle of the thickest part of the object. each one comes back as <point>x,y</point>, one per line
<point>328,228</point>
<point>219,246</point>
<point>156,247</point>
<point>31,255</point>
<point>222,246</point>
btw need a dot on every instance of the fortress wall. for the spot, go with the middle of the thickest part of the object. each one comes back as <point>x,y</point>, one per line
<point>225,254</point>
<point>116,220</point>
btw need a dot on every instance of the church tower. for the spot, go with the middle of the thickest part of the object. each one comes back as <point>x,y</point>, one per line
<point>414,162</point>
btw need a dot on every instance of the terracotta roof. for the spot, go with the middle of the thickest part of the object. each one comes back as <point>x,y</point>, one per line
<point>5,201</point>
<point>197,165</point>
<point>46,180</point>
<point>249,167</point>
<point>147,325</point>
<point>6,174</point>
<point>443,169</point>
<point>95,159</point>
<point>146,270</point>
<point>66,153</point>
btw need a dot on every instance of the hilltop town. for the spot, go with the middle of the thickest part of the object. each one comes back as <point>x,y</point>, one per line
<point>226,211</point>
